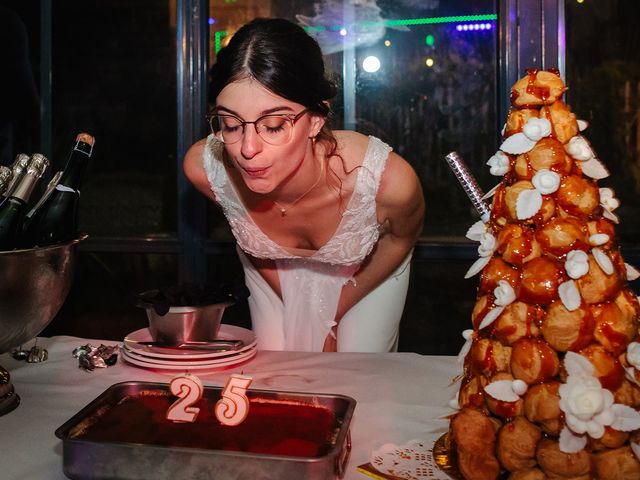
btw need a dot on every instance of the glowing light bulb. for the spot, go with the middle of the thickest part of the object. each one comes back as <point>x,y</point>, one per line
<point>343,32</point>
<point>371,64</point>
<point>429,62</point>
<point>387,43</point>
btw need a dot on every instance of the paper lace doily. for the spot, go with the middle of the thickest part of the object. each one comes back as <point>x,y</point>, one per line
<point>411,461</point>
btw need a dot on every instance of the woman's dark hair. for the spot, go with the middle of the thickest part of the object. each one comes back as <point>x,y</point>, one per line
<point>282,57</point>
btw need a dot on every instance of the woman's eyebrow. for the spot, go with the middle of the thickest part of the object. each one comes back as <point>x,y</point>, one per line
<point>263,112</point>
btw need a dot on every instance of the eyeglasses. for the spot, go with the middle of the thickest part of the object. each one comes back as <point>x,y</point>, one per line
<point>275,129</point>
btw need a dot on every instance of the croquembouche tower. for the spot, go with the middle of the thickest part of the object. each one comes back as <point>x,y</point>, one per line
<point>551,379</point>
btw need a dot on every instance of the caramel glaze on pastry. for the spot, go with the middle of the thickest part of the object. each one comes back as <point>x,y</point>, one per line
<point>570,293</point>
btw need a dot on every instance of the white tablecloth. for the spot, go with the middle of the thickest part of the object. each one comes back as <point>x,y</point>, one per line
<point>400,397</point>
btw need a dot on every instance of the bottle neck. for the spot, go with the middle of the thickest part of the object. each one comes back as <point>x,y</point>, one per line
<point>24,189</point>
<point>76,165</point>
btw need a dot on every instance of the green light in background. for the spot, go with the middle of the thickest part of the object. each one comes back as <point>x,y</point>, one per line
<point>217,38</point>
<point>429,40</point>
<point>432,20</point>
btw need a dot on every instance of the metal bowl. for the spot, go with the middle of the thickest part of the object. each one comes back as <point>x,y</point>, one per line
<point>186,324</point>
<point>34,284</point>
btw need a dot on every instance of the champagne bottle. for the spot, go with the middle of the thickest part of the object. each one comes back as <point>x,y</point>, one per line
<point>14,208</point>
<point>5,178</point>
<point>55,218</point>
<point>18,168</point>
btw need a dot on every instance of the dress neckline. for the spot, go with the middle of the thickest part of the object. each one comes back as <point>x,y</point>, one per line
<point>304,252</point>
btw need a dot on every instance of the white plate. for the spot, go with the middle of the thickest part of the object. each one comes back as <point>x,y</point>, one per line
<point>214,365</point>
<point>188,362</point>
<point>226,332</point>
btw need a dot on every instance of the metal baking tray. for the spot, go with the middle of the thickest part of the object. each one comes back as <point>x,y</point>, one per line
<point>87,459</point>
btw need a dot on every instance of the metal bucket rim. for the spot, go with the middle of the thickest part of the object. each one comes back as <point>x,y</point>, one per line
<point>48,247</point>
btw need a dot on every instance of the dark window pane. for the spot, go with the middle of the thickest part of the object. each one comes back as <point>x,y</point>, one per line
<point>113,75</point>
<point>603,76</point>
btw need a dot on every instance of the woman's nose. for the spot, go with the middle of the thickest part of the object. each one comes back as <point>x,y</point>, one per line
<point>251,142</point>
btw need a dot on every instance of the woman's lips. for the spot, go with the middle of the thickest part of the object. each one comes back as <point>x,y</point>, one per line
<point>256,172</point>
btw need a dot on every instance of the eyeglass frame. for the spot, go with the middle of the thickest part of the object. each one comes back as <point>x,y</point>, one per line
<point>292,118</point>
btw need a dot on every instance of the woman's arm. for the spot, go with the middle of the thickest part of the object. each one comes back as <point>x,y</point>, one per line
<point>194,169</point>
<point>401,208</point>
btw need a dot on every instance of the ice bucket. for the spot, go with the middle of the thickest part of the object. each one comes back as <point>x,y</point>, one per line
<point>34,284</point>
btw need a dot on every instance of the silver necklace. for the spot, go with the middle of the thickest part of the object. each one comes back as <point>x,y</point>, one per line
<point>283,210</point>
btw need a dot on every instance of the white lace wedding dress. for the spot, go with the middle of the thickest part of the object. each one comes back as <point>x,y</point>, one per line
<point>311,285</point>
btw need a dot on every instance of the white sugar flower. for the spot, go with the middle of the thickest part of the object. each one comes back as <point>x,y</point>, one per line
<point>580,149</point>
<point>633,354</point>
<point>608,200</point>
<point>546,181</point>
<point>522,142</point>
<point>487,244</point>
<point>537,128</point>
<point>499,164</point>
<point>576,264</point>
<point>504,293</point>
<point>588,407</point>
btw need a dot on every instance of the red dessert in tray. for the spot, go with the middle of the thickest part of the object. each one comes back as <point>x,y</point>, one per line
<point>272,426</point>
<point>126,435</point>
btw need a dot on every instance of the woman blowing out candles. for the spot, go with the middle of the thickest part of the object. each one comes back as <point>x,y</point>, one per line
<point>325,221</point>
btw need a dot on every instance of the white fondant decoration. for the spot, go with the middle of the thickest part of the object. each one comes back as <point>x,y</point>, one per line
<point>598,239</point>
<point>595,169</point>
<point>468,337</point>
<point>626,419</point>
<point>477,266</point>
<point>583,125</point>
<point>633,354</point>
<point>528,204</point>
<point>454,404</point>
<point>490,193</point>
<point>520,386</point>
<point>569,295</point>
<point>580,149</point>
<point>608,199</point>
<point>546,181</point>
<point>487,244</point>
<point>610,215</point>
<point>504,293</point>
<point>632,272</point>
<point>499,163</point>
<point>588,407</point>
<point>635,447</point>
<point>630,374</point>
<point>504,390</point>
<point>570,442</point>
<point>537,128</point>
<point>476,230</point>
<point>603,260</point>
<point>490,317</point>
<point>517,143</point>
<point>576,264</point>
<point>578,366</point>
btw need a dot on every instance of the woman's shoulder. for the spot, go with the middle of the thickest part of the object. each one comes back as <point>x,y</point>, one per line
<point>194,168</point>
<point>352,147</point>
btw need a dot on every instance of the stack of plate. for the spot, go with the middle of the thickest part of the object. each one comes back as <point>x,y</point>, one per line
<point>174,360</point>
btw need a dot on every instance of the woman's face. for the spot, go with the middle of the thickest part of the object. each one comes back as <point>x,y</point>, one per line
<point>263,166</point>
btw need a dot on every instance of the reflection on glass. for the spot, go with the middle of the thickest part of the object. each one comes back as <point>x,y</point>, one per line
<point>424,81</point>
